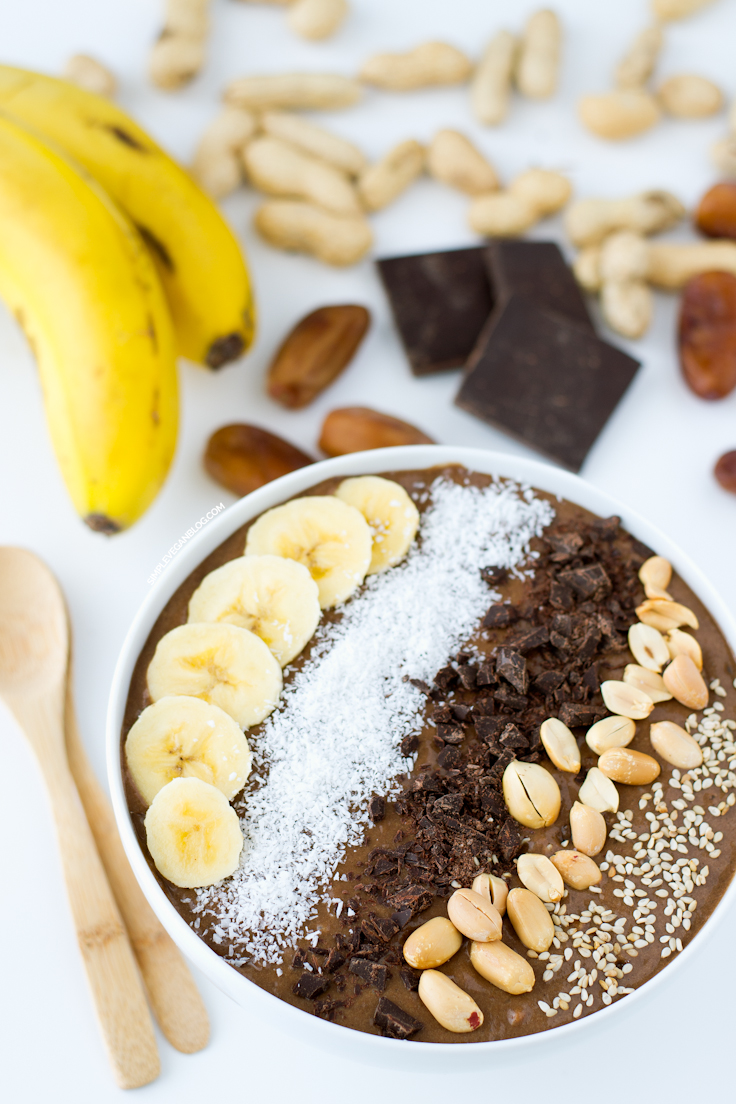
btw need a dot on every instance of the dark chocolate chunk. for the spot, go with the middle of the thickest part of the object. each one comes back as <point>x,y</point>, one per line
<point>499,616</point>
<point>461,712</point>
<point>549,681</point>
<point>379,929</point>
<point>377,808</point>
<point>451,734</point>
<point>468,675</point>
<point>587,582</point>
<point>487,673</point>
<point>394,1021</point>
<point>413,897</point>
<point>523,641</point>
<point>512,666</point>
<point>374,973</point>
<point>420,685</point>
<point>575,715</point>
<point>588,644</point>
<point>449,758</point>
<point>491,801</point>
<point>450,805</point>
<point>446,678</point>
<point>489,728</point>
<point>409,744</point>
<point>326,1009</point>
<point>565,545</point>
<point>590,679</point>
<point>442,714</point>
<point>333,962</point>
<point>440,302</point>
<point>402,918</point>
<point>297,962</point>
<point>537,270</point>
<point>510,700</point>
<point>310,986</point>
<point>511,737</point>
<point>494,576</point>
<point>510,840</point>
<point>410,978</point>
<point>561,596</point>
<point>545,380</point>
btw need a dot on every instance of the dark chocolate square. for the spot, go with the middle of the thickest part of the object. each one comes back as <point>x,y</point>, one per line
<point>537,270</point>
<point>440,302</point>
<point>545,380</point>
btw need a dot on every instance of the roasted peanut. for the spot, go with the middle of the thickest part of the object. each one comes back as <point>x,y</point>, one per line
<point>620,114</point>
<point>677,9</point>
<point>306,228</point>
<point>530,920</point>
<point>610,732</point>
<point>539,56</point>
<point>474,916</point>
<point>707,334</point>
<point>577,869</point>
<point>454,1009</point>
<point>314,354</point>
<point>503,967</point>
<point>725,473</point>
<point>89,73</point>
<point>538,874</point>
<point>178,54</point>
<point>588,829</point>
<point>599,792</point>
<point>679,642</point>
<point>648,681</point>
<point>560,745</point>
<point>280,169</point>
<point>587,268</point>
<point>316,19</point>
<point>531,794</point>
<point>381,183</point>
<point>432,943</point>
<point>685,682</point>
<point>648,646</point>
<point>544,190</point>
<point>633,768</point>
<point>489,93</point>
<point>313,139</point>
<point>453,159</point>
<point>626,700</point>
<point>244,457</point>
<point>723,155</point>
<point>627,306</point>
<point>672,265</point>
<point>675,745</point>
<point>217,164</point>
<point>501,215</point>
<point>637,64</point>
<point>654,575</point>
<point>432,63</point>
<point>355,428</point>
<point>624,256</point>
<point>495,889</point>
<point>589,221</point>
<point>665,615</point>
<point>293,90</point>
<point>688,96</point>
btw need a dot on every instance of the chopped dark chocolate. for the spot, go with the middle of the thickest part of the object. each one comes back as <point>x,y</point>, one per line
<point>310,985</point>
<point>524,640</point>
<point>512,666</point>
<point>461,712</point>
<point>374,973</point>
<point>446,678</point>
<point>511,737</point>
<point>451,733</point>
<point>440,302</point>
<point>409,744</point>
<point>499,616</point>
<point>549,681</point>
<point>377,808</point>
<point>576,715</point>
<point>587,582</point>
<point>410,978</point>
<point>510,840</point>
<point>394,1021</point>
<point>467,675</point>
<point>546,380</point>
<point>379,929</point>
<point>420,685</point>
<point>402,918</point>
<point>333,962</point>
<point>326,1009</point>
<point>537,270</point>
<point>494,576</point>
<point>449,758</point>
<point>413,897</point>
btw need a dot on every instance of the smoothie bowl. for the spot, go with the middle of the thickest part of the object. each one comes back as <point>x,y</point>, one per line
<point>429,746</point>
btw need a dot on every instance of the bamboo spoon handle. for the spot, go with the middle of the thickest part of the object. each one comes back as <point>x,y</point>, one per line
<point>108,959</point>
<point>175,999</point>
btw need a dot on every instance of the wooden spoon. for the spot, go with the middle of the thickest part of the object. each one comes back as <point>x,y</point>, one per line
<point>175,999</point>
<point>33,664</point>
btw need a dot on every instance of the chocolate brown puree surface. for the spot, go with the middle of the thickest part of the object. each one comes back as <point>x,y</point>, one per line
<point>505,1016</point>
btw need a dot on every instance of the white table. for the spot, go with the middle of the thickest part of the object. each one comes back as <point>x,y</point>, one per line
<point>656,455</point>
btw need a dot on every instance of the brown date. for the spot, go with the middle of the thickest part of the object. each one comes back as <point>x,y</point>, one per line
<point>355,428</point>
<point>314,354</point>
<point>725,471</point>
<point>244,457</point>
<point>716,213</point>
<point>707,334</point>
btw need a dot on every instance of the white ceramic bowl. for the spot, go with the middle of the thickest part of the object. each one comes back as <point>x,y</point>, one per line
<point>284,1017</point>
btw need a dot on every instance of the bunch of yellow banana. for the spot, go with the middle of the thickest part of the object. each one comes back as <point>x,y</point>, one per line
<point>113,261</point>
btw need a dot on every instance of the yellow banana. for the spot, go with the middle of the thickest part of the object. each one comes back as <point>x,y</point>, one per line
<point>85,290</point>
<point>198,259</point>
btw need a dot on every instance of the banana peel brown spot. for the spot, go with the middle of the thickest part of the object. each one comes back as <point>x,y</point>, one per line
<point>157,247</point>
<point>224,349</point>
<point>124,136</point>
<point>99,523</point>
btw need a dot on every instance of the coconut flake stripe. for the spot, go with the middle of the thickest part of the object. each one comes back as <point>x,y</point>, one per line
<point>335,739</point>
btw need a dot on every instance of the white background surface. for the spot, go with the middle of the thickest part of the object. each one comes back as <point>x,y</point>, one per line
<point>656,454</point>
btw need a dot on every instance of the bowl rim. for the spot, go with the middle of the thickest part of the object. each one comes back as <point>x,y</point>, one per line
<point>536,473</point>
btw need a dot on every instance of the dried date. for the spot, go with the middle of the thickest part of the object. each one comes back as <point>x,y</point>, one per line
<point>244,457</point>
<point>314,354</point>
<point>707,334</point>
<point>716,213</point>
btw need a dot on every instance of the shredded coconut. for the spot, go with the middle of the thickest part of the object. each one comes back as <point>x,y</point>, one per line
<point>334,741</point>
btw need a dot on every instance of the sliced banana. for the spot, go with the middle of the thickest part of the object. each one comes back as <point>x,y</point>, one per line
<point>391,514</point>
<point>182,737</point>
<point>222,664</point>
<point>275,598</point>
<point>331,539</point>
<point>193,834</point>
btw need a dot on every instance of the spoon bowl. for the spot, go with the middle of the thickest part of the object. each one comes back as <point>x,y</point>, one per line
<point>33,626</point>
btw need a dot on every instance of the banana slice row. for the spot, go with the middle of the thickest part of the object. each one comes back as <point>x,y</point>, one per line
<point>221,672</point>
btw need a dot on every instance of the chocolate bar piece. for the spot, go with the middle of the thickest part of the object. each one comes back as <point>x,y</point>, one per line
<point>546,380</point>
<point>440,302</point>
<point>537,270</point>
